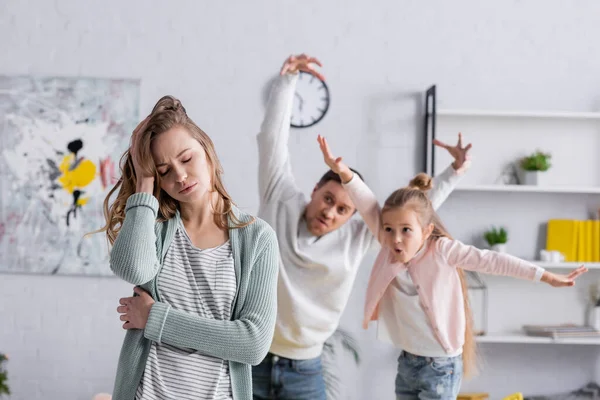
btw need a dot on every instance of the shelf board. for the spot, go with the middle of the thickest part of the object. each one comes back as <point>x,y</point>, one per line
<point>518,114</point>
<point>530,189</point>
<point>522,338</point>
<point>566,265</point>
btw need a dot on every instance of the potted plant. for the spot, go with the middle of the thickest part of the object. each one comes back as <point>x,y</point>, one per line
<point>533,166</point>
<point>3,377</point>
<point>496,238</point>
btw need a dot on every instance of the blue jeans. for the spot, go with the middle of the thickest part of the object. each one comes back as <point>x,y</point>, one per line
<point>428,378</point>
<point>279,378</point>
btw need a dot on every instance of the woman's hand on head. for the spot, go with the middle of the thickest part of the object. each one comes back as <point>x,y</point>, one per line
<point>301,62</point>
<point>560,280</point>
<point>135,143</point>
<point>334,163</point>
<point>144,183</point>
<point>135,310</point>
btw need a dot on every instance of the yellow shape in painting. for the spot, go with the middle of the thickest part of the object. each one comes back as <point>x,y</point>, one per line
<point>79,177</point>
<point>82,201</point>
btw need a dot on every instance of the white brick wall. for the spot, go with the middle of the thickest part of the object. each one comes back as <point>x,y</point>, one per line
<point>63,334</point>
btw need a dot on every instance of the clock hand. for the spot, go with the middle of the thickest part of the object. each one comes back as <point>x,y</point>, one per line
<point>300,100</point>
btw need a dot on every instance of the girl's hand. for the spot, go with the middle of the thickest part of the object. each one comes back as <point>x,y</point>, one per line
<point>135,310</point>
<point>458,152</point>
<point>301,62</point>
<point>559,280</point>
<point>335,164</point>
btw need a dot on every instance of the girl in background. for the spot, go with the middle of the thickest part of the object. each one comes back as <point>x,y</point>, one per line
<point>417,290</point>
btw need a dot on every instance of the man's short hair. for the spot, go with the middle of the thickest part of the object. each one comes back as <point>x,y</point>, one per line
<point>332,176</point>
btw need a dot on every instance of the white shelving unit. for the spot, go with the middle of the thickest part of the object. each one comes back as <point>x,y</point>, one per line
<point>536,122</point>
<point>516,338</point>
<point>529,189</point>
<point>518,114</point>
<point>499,138</point>
<point>566,265</point>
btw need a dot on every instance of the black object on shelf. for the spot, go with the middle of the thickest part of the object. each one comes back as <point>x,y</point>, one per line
<point>429,134</point>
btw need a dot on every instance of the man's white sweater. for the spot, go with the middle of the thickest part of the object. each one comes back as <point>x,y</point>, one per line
<point>316,274</point>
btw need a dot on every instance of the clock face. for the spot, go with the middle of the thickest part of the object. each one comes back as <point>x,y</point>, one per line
<point>311,101</point>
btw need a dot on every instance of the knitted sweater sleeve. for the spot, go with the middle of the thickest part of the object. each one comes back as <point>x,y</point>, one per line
<point>133,257</point>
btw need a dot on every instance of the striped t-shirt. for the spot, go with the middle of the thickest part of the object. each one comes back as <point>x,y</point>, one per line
<point>200,282</point>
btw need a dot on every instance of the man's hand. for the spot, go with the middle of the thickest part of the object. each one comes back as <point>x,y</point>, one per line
<point>301,62</point>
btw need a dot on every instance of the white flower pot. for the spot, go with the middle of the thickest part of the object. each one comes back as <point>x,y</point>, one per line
<point>593,317</point>
<point>533,178</point>
<point>500,248</point>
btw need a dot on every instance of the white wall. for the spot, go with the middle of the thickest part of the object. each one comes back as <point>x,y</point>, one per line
<point>63,334</point>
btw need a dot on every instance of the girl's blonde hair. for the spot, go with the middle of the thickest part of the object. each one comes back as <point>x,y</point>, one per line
<point>166,114</point>
<point>415,197</point>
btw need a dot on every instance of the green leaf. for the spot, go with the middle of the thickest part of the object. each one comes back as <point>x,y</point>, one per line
<point>538,161</point>
<point>496,236</point>
<point>3,377</point>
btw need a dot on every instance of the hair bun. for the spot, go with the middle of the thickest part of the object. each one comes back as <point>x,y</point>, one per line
<point>421,182</point>
<point>168,103</point>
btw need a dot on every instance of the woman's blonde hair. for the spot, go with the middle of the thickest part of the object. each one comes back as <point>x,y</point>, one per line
<point>415,197</point>
<point>166,114</point>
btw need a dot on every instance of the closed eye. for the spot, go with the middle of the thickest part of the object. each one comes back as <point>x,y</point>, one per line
<point>165,172</point>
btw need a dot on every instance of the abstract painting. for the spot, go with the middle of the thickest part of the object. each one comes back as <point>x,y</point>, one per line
<point>61,140</point>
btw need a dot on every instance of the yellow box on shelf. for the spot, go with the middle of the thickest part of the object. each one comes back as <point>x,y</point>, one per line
<point>578,241</point>
<point>596,240</point>
<point>563,235</point>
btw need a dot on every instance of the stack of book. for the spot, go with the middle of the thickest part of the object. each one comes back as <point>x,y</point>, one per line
<point>561,331</point>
